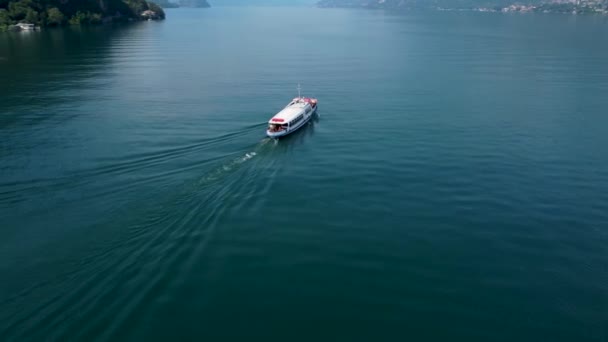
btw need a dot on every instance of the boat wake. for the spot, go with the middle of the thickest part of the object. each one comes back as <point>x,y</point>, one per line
<point>170,234</point>
<point>233,164</point>
<point>168,231</point>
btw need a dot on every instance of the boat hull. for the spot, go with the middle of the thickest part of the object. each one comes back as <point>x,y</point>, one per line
<point>284,133</point>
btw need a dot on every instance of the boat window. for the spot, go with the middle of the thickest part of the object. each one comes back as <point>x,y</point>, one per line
<point>297,119</point>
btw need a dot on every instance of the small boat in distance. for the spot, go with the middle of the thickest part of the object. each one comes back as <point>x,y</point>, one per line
<point>24,27</point>
<point>295,115</point>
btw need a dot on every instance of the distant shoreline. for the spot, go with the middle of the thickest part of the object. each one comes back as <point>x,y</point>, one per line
<point>27,15</point>
<point>580,7</point>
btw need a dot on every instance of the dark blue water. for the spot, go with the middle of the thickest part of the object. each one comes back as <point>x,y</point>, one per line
<point>453,187</point>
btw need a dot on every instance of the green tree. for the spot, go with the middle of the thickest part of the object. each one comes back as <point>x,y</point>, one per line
<point>94,18</point>
<point>32,16</point>
<point>136,6</point>
<point>81,18</point>
<point>58,12</point>
<point>54,16</point>
<point>157,9</point>
<point>18,10</point>
<point>5,20</point>
<point>77,18</point>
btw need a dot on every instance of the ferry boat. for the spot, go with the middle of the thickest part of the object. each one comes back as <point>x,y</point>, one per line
<point>295,115</point>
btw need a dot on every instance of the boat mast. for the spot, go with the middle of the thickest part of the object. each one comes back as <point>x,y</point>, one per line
<point>299,89</point>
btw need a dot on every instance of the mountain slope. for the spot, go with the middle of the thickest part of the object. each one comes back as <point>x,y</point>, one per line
<point>60,12</point>
<point>462,4</point>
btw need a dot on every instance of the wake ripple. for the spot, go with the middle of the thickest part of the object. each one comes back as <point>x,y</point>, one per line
<point>123,277</point>
<point>17,191</point>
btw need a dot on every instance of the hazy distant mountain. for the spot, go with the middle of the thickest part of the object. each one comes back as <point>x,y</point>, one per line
<point>545,6</point>
<point>389,4</point>
<point>219,3</point>
<point>166,3</point>
<point>194,3</point>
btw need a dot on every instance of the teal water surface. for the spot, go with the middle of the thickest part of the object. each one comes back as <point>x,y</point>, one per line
<point>454,186</point>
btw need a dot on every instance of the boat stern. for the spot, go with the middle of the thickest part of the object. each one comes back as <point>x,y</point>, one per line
<point>275,134</point>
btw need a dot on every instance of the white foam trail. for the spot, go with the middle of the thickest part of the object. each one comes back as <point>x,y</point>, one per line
<point>246,157</point>
<point>221,170</point>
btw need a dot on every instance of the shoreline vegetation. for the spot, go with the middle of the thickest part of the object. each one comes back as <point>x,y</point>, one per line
<point>504,6</point>
<point>45,13</point>
<point>33,14</point>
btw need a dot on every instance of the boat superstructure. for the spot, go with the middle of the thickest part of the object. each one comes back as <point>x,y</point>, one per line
<point>295,115</point>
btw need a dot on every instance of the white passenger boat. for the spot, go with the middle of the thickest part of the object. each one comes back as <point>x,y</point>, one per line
<point>295,115</point>
<point>25,27</point>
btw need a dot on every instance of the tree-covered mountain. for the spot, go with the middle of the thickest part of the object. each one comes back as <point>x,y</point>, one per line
<point>61,12</point>
<point>263,3</point>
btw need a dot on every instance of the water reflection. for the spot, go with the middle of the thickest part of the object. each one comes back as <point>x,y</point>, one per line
<point>42,69</point>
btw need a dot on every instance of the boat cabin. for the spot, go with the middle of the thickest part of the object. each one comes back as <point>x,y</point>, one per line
<point>25,26</point>
<point>277,127</point>
<point>291,116</point>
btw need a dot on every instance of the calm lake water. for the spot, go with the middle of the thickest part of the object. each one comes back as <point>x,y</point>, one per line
<point>453,188</point>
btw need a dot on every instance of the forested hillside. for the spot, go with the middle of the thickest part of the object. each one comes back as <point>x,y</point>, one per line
<point>61,12</point>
